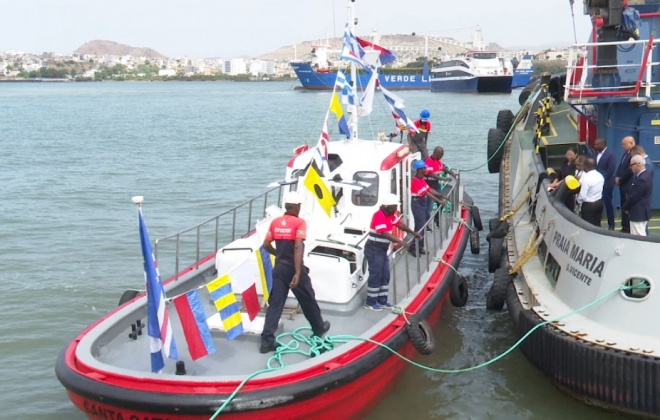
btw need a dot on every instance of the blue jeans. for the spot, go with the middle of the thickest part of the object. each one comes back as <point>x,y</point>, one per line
<point>378,283</point>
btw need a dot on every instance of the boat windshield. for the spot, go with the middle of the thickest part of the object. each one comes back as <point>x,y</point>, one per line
<point>485,55</point>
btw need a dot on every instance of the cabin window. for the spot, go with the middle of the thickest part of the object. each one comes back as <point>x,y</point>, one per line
<point>337,253</point>
<point>367,196</point>
<point>552,269</point>
<point>639,287</point>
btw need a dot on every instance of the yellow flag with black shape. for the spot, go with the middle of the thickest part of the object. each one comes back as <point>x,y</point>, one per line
<point>316,185</point>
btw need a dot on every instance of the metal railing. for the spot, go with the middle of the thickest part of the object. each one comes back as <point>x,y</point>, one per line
<point>584,79</point>
<point>433,240</point>
<point>189,246</point>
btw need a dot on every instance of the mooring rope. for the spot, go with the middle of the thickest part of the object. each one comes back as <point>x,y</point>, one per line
<point>320,345</point>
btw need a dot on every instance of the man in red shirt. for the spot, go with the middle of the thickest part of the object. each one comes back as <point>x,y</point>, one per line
<point>418,142</point>
<point>435,171</point>
<point>375,251</point>
<point>421,193</point>
<point>289,232</point>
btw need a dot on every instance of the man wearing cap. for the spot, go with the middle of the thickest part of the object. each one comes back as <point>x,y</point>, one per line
<point>421,192</point>
<point>289,232</point>
<point>375,251</point>
<point>418,141</point>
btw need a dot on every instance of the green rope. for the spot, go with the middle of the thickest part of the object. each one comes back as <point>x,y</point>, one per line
<point>513,126</point>
<point>318,345</point>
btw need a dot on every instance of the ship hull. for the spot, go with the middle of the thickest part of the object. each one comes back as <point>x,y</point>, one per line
<point>311,79</point>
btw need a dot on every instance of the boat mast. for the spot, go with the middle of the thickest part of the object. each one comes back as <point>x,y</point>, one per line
<point>352,107</point>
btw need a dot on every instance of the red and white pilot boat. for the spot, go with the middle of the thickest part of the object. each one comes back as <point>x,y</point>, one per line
<point>107,369</point>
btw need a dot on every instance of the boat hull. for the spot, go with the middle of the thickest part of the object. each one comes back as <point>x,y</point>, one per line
<point>521,77</point>
<point>311,79</point>
<point>495,84</point>
<point>569,362</point>
<point>343,390</point>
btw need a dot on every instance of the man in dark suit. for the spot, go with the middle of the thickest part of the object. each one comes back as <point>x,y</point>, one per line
<point>606,165</point>
<point>638,202</point>
<point>623,178</point>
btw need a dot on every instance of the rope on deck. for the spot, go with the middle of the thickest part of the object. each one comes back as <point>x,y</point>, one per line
<point>320,345</point>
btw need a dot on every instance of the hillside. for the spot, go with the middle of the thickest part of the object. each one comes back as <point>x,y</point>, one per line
<point>100,47</point>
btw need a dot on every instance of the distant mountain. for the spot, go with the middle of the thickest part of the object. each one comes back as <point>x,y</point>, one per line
<point>99,47</point>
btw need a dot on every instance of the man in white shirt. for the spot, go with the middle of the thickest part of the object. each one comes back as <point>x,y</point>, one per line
<point>591,193</point>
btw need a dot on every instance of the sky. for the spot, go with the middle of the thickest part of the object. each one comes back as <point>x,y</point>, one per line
<point>232,28</point>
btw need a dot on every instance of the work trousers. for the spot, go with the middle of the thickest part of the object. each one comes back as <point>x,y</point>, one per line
<point>378,283</point>
<point>282,276</point>
<point>592,212</point>
<point>418,208</point>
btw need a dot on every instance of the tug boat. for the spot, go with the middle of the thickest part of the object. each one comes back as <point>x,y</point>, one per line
<point>118,368</point>
<point>583,296</point>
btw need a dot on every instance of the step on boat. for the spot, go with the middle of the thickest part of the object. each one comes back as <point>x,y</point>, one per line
<point>192,350</point>
<point>582,295</point>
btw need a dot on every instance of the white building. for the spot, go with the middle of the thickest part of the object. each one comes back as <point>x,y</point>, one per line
<point>235,66</point>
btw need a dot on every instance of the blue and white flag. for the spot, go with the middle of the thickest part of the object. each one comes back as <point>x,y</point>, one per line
<point>347,92</point>
<point>396,105</point>
<point>352,50</point>
<point>161,339</point>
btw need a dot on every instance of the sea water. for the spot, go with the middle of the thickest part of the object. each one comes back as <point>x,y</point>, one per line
<point>73,155</point>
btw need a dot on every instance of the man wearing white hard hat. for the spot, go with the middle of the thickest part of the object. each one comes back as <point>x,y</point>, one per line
<point>375,251</point>
<point>289,233</point>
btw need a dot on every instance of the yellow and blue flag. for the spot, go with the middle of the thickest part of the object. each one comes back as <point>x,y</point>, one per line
<point>335,107</point>
<point>265,262</point>
<point>226,304</point>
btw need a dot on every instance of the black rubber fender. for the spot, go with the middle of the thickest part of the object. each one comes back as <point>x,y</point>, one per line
<point>476,217</point>
<point>495,139</point>
<point>505,120</point>
<point>420,335</point>
<point>474,241</point>
<point>495,246</point>
<point>459,293</point>
<point>498,290</point>
<point>127,296</point>
<point>497,229</point>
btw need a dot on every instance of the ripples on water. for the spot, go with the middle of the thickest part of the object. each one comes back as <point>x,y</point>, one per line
<point>74,154</point>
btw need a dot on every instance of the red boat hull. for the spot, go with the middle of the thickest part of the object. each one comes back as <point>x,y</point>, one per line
<point>348,386</point>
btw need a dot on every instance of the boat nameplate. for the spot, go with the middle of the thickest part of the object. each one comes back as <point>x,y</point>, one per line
<point>655,122</point>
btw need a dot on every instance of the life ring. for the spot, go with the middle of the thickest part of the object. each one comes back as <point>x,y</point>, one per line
<point>495,149</point>
<point>504,120</point>
<point>476,217</point>
<point>420,335</point>
<point>324,70</point>
<point>397,233</point>
<point>495,246</point>
<point>474,241</point>
<point>127,296</point>
<point>498,290</point>
<point>458,294</point>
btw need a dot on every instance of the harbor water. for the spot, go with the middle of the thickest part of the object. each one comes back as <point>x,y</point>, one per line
<point>73,155</point>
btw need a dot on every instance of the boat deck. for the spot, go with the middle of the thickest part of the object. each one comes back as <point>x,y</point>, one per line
<point>561,135</point>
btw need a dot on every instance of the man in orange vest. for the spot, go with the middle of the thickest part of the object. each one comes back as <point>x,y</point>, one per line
<point>289,232</point>
<point>375,251</point>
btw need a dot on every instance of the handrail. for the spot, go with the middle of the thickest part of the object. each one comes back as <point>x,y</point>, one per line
<point>203,245</point>
<point>579,89</point>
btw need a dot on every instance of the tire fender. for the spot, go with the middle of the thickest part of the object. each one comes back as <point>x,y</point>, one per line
<point>420,335</point>
<point>127,296</point>
<point>459,292</point>
<point>498,290</point>
<point>476,217</point>
<point>474,241</point>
